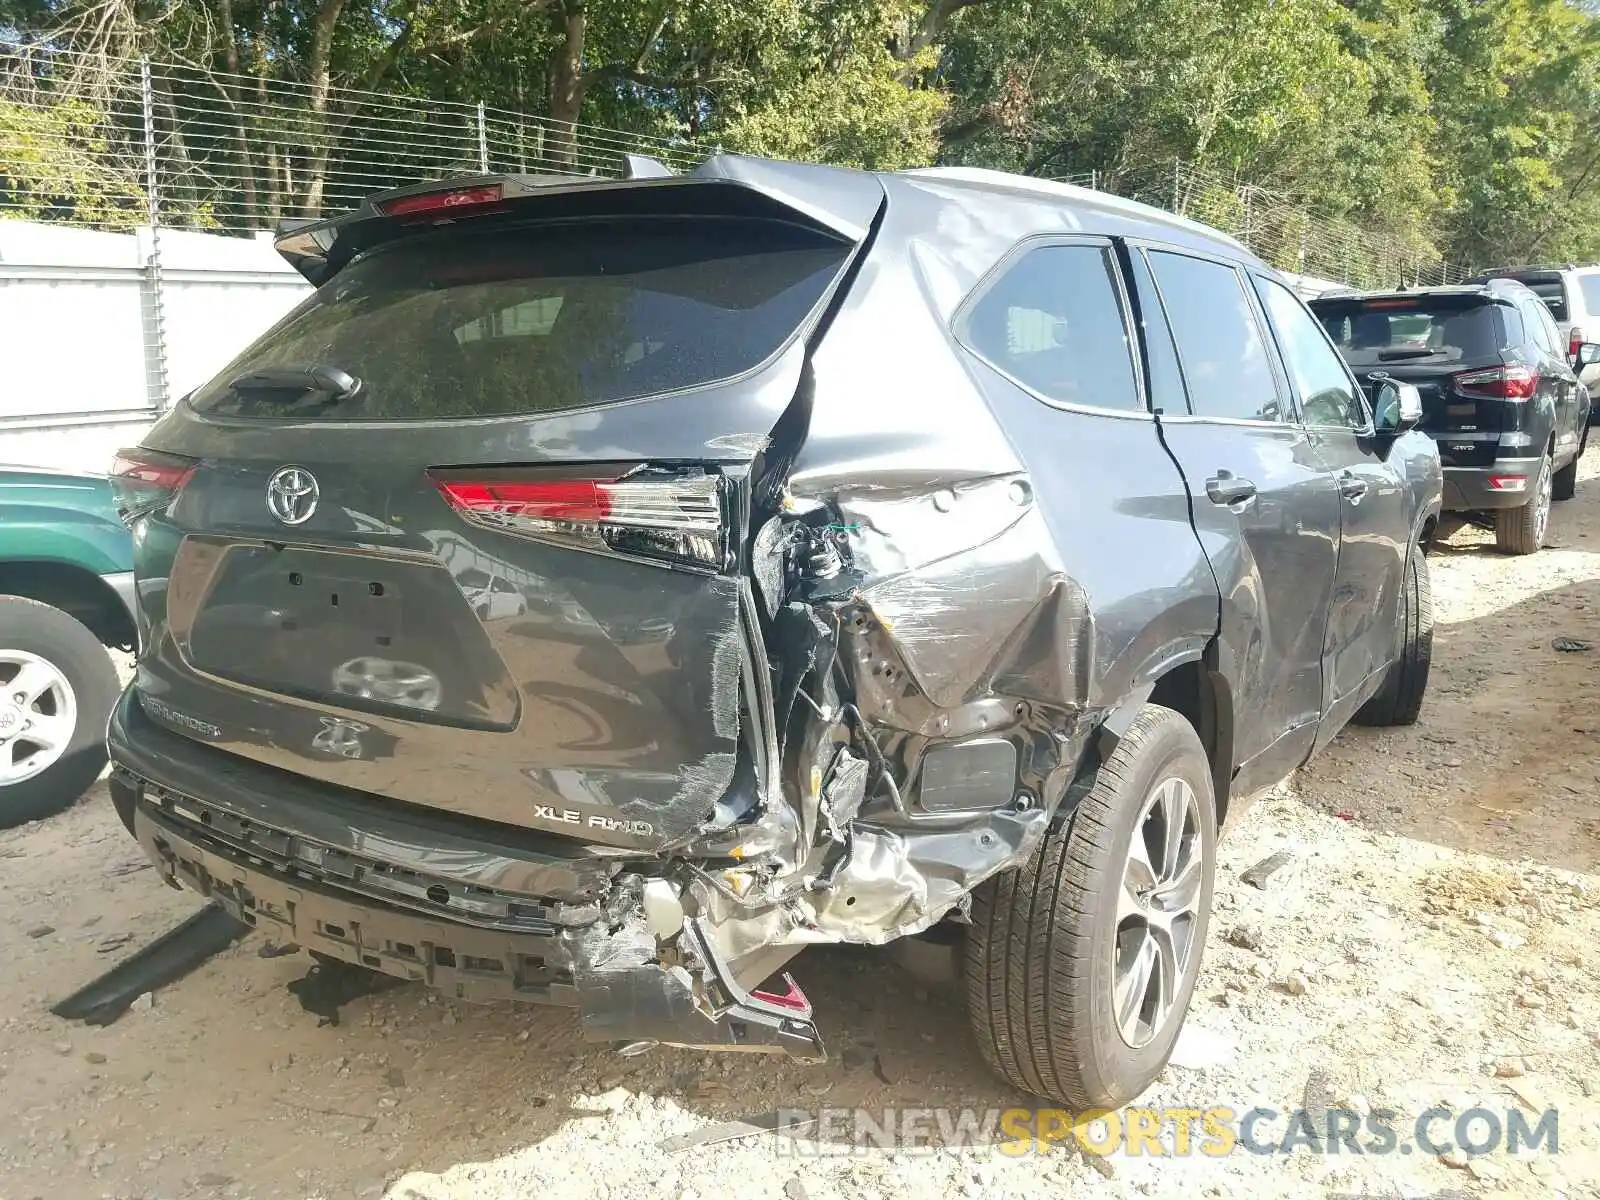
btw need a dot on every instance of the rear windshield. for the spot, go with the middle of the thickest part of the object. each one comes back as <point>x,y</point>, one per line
<point>1552,292</point>
<point>534,320</point>
<point>1386,331</point>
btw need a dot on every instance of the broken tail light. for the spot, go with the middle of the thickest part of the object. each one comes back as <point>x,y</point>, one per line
<point>666,517</point>
<point>145,481</point>
<point>1499,383</point>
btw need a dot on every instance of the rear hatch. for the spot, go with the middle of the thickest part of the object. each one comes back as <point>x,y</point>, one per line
<point>462,530</point>
<point>1448,345</point>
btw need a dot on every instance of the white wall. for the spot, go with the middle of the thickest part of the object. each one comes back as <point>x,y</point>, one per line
<point>79,351</point>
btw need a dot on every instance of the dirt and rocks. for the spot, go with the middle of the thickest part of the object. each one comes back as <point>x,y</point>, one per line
<point>1428,942</point>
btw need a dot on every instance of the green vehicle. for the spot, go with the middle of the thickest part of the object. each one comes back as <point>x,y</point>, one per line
<point>66,595</point>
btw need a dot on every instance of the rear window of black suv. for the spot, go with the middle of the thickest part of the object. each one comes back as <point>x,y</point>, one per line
<point>537,319</point>
<point>1425,330</point>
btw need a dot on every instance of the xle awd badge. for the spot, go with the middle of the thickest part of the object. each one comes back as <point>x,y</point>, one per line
<point>292,495</point>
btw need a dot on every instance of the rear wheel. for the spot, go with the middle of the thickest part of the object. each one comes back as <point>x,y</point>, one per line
<point>1080,965</point>
<point>1522,530</point>
<point>1399,700</point>
<point>57,686</point>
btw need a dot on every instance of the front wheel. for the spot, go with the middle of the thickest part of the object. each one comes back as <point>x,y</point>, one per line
<point>1080,964</point>
<point>1522,530</point>
<point>57,686</point>
<point>1399,700</point>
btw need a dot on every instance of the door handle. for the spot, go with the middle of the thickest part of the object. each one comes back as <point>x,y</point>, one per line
<point>1352,486</point>
<point>1227,488</point>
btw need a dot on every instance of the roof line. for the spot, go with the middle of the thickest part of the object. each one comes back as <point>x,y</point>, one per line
<point>1027,184</point>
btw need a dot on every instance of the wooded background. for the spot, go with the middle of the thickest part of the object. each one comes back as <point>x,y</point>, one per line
<point>1467,130</point>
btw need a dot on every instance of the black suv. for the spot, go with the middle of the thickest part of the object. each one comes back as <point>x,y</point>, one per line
<point>599,591</point>
<point>1498,393</point>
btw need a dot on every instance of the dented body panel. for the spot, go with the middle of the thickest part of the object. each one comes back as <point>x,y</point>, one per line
<point>931,594</point>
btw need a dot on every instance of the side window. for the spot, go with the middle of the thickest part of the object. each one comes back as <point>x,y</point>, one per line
<point>1327,394</point>
<point>1224,359</point>
<point>1552,331</point>
<point>1166,380</point>
<point>1534,315</point>
<point>1054,322</point>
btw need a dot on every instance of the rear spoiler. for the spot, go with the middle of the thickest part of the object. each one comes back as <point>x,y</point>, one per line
<point>838,203</point>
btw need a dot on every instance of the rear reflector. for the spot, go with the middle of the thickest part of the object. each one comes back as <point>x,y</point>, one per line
<point>442,203</point>
<point>675,518</point>
<point>1499,383</point>
<point>146,480</point>
<point>1508,483</point>
<point>791,998</point>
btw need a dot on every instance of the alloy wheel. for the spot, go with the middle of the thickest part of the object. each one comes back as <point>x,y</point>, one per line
<point>38,714</point>
<point>1158,906</point>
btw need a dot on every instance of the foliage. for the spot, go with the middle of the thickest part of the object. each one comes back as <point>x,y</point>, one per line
<point>54,166</point>
<point>1469,128</point>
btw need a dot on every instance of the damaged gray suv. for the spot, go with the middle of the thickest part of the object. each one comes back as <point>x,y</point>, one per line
<point>599,591</point>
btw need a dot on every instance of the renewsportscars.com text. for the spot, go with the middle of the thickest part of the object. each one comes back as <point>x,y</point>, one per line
<point>1168,1132</point>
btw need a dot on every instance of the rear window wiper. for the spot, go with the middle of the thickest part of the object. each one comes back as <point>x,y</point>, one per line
<point>334,382</point>
<point>1407,352</point>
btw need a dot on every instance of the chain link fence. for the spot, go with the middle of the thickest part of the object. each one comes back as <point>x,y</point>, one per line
<point>1285,231</point>
<point>115,145</point>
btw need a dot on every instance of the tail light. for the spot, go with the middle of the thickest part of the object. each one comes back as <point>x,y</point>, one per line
<point>1574,343</point>
<point>664,516</point>
<point>446,203</point>
<point>145,481</point>
<point>1499,383</point>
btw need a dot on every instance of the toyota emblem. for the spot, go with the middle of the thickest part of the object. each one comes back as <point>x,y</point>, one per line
<point>292,495</point>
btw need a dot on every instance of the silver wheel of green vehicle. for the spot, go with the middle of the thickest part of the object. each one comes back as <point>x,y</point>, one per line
<point>1081,964</point>
<point>57,687</point>
<point>1522,530</point>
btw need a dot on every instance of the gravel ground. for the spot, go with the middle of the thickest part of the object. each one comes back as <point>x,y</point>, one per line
<point>1430,943</point>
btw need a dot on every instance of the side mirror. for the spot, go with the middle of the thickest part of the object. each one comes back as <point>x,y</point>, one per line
<point>1588,353</point>
<point>1399,408</point>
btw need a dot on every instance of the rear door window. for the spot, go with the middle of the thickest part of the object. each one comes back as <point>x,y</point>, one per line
<point>538,319</point>
<point>1220,344</point>
<point>1381,331</point>
<point>1054,322</point>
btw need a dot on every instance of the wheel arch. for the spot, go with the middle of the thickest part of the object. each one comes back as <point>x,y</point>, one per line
<point>76,591</point>
<point>1193,684</point>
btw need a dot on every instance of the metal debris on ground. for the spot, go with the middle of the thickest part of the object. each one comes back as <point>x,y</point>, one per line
<point>729,1131</point>
<point>1258,875</point>
<point>1571,645</point>
<point>169,958</point>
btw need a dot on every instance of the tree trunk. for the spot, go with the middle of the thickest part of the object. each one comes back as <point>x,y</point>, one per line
<point>318,68</point>
<point>566,85</point>
<point>273,167</point>
<point>230,89</point>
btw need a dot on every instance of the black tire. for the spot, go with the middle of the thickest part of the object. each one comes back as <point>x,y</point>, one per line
<point>1399,700</point>
<point>1564,483</point>
<point>1522,530</point>
<point>1040,956</point>
<point>67,646</point>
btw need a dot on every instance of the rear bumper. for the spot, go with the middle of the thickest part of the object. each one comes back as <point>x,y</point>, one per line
<point>1468,489</point>
<point>583,949</point>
